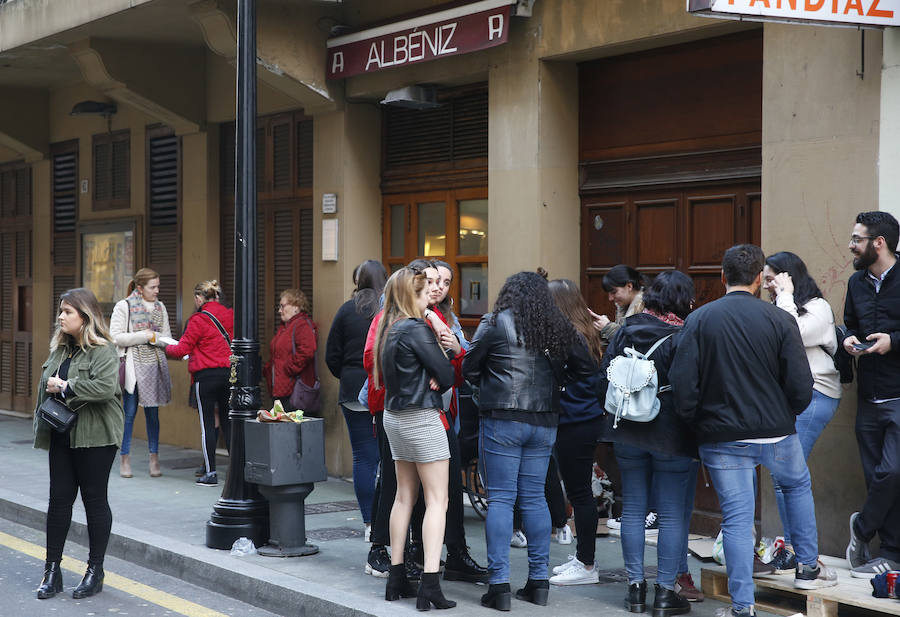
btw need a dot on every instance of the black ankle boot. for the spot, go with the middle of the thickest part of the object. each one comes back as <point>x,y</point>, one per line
<point>91,584</point>
<point>636,600</point>
<point>535,592</point>
<point>430,593</point>
<point>461,567</point>
<point>398,586</point>
<point>498,596</point>
<point>52,583</point>
<point>667,602</point>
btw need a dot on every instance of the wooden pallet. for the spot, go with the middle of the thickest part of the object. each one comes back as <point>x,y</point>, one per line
<point>776,593</point>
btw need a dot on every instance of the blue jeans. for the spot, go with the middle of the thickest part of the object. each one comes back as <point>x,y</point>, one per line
<point>810,425</point>
<point>689,492</point>
<point>151,415</point>
<point>672,474</point>
<point>732,465</point>
<point>365,458</point>
<point>514,458</point>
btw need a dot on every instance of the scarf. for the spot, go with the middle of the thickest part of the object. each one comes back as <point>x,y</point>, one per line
<point>151,369</point>
<point>670,318</point>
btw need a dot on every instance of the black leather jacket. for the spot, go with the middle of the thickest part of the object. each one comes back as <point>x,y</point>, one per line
<point>508,376</point>
<point>410,357</point>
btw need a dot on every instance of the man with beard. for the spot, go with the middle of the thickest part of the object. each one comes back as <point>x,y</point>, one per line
<point>872,317</point>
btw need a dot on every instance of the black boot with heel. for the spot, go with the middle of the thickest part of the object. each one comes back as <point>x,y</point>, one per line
<point>636,600</point>
<point>535,592</point>
<point>52,583</point>
<point>430,593</point>
<point>398,586</point>
<point>498,596</point>
<point>91,584</point>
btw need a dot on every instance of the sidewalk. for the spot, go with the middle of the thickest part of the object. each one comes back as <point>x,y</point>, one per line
<point>160,523</point>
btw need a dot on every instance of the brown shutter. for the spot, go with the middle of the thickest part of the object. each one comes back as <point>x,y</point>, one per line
<point>163,250</point>
<point>112,165</point>
<point>306,251</point>
<point>64,195</point>
<point>227,265</point>
<point>23,191</point>
<point>23,369</point>
<point>261,161</point>
<point>417,136</point>
<point>470,126</point>
<point>227,157</point>
<point>8,193</point>
<point>281,157</point>
<point>6,371</point>
<point>305,153</point>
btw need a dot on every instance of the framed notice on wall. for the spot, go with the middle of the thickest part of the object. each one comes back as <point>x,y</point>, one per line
<point>107,259</point>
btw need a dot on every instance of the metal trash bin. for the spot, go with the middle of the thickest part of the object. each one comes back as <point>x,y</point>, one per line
<point>285,459</point>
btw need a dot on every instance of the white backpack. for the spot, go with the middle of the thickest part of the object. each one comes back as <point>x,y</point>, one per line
<point>634,386</point>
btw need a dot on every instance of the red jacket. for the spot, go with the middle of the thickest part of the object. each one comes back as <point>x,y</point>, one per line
<point>376,395</point>
<point>291,359</point>
<point>202,340</point>
<point>457,367</point>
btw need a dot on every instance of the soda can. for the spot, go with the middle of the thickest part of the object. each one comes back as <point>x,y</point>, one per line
<point>892,576</point>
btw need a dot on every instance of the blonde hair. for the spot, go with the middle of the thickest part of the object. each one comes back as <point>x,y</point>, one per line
<point>400,293</point>
<point>208,290</point>
<point>94,332</point>
<point>141,278</point>
<point>296,298</point>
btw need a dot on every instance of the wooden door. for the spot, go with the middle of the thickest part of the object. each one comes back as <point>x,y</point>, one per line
<point>15,288</point>
<point>654,230</point>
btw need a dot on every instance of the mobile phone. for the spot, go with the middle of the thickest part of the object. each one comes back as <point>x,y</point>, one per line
<point>862,346</point>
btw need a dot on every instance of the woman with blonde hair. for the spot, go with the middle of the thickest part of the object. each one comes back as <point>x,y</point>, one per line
<point>407,354</point>
<point>292,351</point>
<point>207,340</point>
<point>81,371</point>
<point>136,325</point>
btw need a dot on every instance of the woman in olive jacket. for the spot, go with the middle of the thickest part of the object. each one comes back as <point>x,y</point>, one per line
<point>83,371</point>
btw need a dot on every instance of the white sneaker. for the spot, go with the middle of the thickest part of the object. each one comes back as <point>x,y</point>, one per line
<point>564,535</point>
<point>815,578</point>
<point>614,523</point>
<point>518,539</point>
<point>367,534</point>
<point>577,574</point>
<point>562,568</point>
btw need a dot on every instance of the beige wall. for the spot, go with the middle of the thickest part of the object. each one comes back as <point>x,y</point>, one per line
<point>347,162</point>
<point>820,149</point>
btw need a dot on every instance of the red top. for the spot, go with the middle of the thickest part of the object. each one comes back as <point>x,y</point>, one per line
<point>289,359</point>
<point>457,366</point>
<point>203,341</point>
<point>376,395</point>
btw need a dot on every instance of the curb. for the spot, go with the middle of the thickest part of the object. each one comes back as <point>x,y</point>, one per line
<point>267,589</point>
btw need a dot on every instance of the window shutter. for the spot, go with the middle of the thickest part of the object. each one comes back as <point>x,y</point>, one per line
<point>23,254</point>
<point>23,369</point>
<point>6,280</point>
<point>284,251</point>
<point>306,252</point>
<point>227,266</point>
<point>163,250</point>
<point>65,195</point>
<point>8,193</point>
<point>228,158</point>
<point>23,191</point>
<point>417,136</point>
<point>305,153</point>
<point>112,170</point>
<point>281,157</point>
<point>261,161</point>
<point>6,369</point>
<point>470,126</point>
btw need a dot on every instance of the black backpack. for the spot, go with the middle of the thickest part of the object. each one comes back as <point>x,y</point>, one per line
<point>843,361</point>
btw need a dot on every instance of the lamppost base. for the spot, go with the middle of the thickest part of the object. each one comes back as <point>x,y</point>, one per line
<point>270,550</point>
<point>232,520</point>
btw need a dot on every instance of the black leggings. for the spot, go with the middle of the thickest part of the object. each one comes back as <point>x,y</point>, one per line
<point>575,445</point>
<point>212,388</point>
<point>72,469</point>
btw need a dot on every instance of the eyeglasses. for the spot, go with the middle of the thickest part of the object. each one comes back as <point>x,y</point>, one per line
<point>855,240</point>
<point>281,307</point>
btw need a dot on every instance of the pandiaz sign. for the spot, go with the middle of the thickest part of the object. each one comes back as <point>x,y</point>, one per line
<point>460,30</point>
<point>871,13</point>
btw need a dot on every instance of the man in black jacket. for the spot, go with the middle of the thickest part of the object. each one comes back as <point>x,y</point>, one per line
<point>740,377</point>
<point>872,317</point>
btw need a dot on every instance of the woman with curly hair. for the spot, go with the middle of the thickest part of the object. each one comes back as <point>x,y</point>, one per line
<point>516,360</point>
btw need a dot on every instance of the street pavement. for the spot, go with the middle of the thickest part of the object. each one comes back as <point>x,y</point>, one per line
<point>160,524</point>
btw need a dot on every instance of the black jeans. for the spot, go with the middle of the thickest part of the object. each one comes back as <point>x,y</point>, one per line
<point>878,437</point>
<point>212,388</point>
<point>575,445</point>
<point>72,469</point>
<point>386,489</point>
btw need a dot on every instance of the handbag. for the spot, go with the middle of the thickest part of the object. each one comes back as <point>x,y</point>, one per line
<point>306,397</point>
<point>57,414</point>
<point>122,359</point>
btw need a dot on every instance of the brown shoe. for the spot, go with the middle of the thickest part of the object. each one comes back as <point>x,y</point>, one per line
<point>125,466</point>
<point>154,466</point>
<point>684,587</point>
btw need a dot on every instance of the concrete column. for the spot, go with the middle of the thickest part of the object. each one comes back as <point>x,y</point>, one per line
<point>347,162</point>
<point>532,166</point>
<point>889,126</point>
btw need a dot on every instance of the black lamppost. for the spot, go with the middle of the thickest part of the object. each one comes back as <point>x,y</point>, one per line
<point>241,511</point>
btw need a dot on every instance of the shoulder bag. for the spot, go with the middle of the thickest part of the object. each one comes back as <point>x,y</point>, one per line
<point>57,414</point>
<point>122,359</point>
<point>306,397</point>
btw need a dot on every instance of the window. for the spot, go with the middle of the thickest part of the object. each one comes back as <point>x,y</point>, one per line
<point>112,170</point>
<point>162,229</point>
<point>448,225</point>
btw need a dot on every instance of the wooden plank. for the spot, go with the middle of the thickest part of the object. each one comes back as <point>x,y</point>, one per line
<point>819,602</point>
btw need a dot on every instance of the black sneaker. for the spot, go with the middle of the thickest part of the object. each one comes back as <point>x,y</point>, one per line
<point>873,568</point>
<point>858,549</point>
<point>784,561</point>
<point>461,567</point>
<point>378,563</point>
<point>651,524</point>
<point>208,479</point>
<point>761,568</point>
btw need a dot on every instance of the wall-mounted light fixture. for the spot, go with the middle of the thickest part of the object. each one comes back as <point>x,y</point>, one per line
<point>95,108</point>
